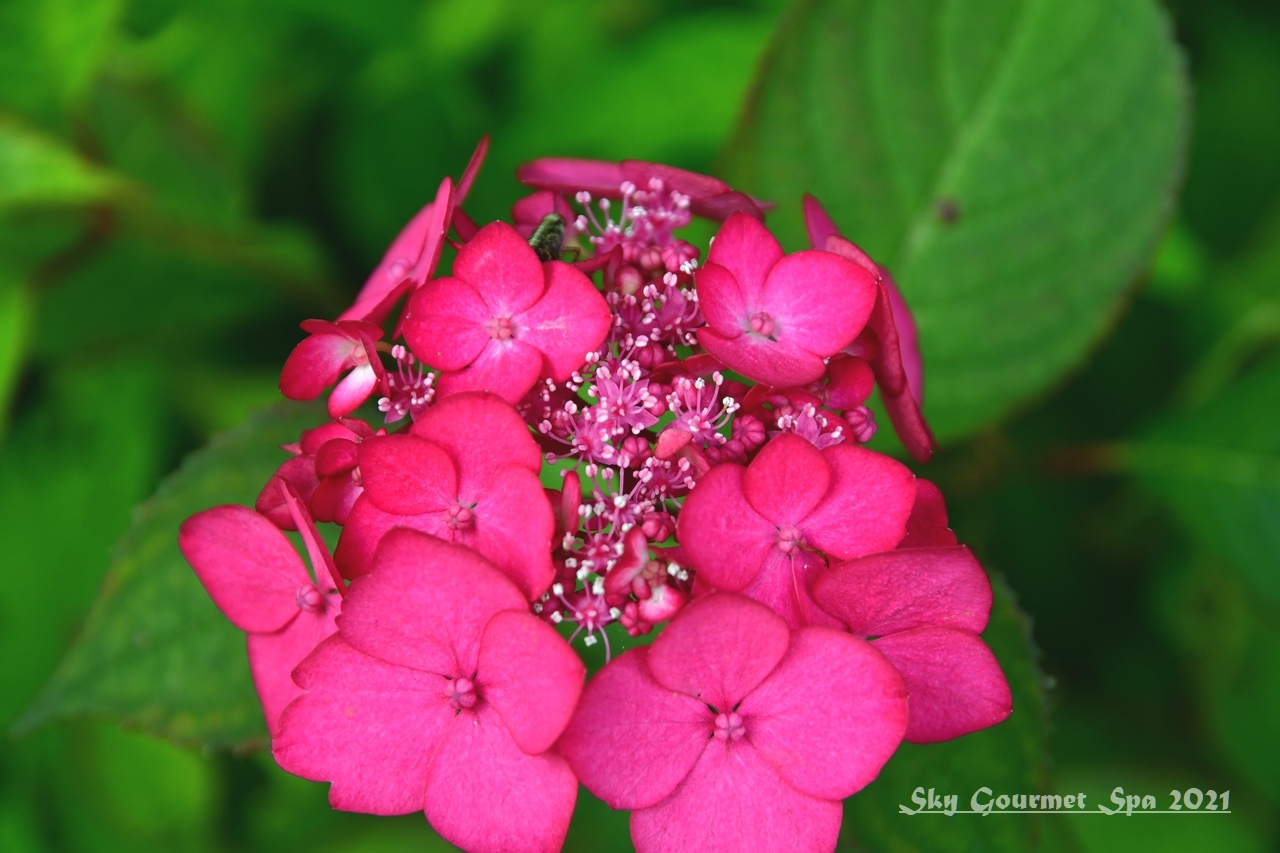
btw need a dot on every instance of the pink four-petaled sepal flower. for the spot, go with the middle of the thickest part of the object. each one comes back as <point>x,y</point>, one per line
<point>891,342</point>
<point>440,692</point>
<point>255,577</point>
<point>926,608</point>
<point>732,732</point>
<point>504,319</point>
<point>709,197</point>
<point>467,472</point>
<point>774,318</point>
<point>329,350</point>
<point>758,529</point>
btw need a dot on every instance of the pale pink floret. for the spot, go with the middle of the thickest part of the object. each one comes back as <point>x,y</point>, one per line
<point>732,732</point>
<point>763,529</point>
<point>503,319</point>
<point>255,577</point>
<point>891,341</point>
<point>442,693</point>
<point>775,318</point>
<point>467,472</point>
<point>330,350</point>
<point>926,608</point>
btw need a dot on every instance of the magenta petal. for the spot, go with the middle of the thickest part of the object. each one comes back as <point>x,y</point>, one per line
<point>410,259</point>
<point>927,525</point>
<point>867,507</point>
<point>472,169</point>
<point>365,725</point>
<point>246,564</point>
<point>818,223</point>
<point>786,480</point>
<point>364,529</point>
<point>777,363</point>
<point>444,323</point>
<point>830,737</point>
<point>909,425</point>
<point>908,337</point>
<point>720,207</point>
<point>336,456</point>
<point>726,540</point>
<point>514,526</point>
<point>718,649</point>
<point>487,796</point>
<point>568,174</point>
<point>426,605</point>
<point>954,681</point>
<point>507,368</point>
<point>631,740</point>
<point>721,300</point>
<point>734,801</point>
<point>273,657</point>
<point>299,474</point>
<point>502,268</point>
<point>898,590</point>
<point>483,433</point>
<point>352,391</point>
<point>783,586</point>
<point>315,364</point>
<point>568,322</point>
<point>407,475</point>
<point>746,248</point>
<point>531,676</point>
<point>818,300</point>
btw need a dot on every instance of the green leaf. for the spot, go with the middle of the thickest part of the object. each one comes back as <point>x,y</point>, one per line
<point>155,652</point>
<point>1013,163</point>
<point>50,51</point>
<point>15,320</point>
<point>1219,470</point>
<point>1008,758</point>
<point>36,169</point>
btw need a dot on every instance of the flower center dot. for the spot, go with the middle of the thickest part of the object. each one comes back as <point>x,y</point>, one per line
<point>499,328</point>
<point>309,599</point>
<point>460,692</point>
<point>762,324</point>
<point>789,540</point>
<point>729,727</point>
<point>459,517</point>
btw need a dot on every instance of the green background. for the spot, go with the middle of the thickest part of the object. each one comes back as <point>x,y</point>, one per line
<point>1086,219</point>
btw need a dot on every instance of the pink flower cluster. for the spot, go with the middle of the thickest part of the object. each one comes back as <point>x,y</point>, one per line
<point>588,421</point>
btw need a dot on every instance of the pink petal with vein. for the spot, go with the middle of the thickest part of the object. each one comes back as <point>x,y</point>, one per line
<point>718,649</point>
<point>486,796</point>
<point>531,676</point>
<point>954,681</point>
<point>367,726</point>
<point>830,715</point>
<point>631,740</point>
<point>910,588</point>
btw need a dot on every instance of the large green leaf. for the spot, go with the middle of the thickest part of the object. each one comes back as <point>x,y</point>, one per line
<point>1219,469</point>
<point>155,652</point>
<point>1007,758</point>
<point>36,169</point>
<point>1011,161</point>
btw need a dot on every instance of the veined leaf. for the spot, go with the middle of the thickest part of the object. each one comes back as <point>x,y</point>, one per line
<point>1013,162</point>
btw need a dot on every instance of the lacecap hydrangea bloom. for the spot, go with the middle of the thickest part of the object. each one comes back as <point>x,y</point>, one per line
<point>588,420</point>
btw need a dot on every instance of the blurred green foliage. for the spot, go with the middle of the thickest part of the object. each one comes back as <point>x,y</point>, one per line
<point>182,182</point>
